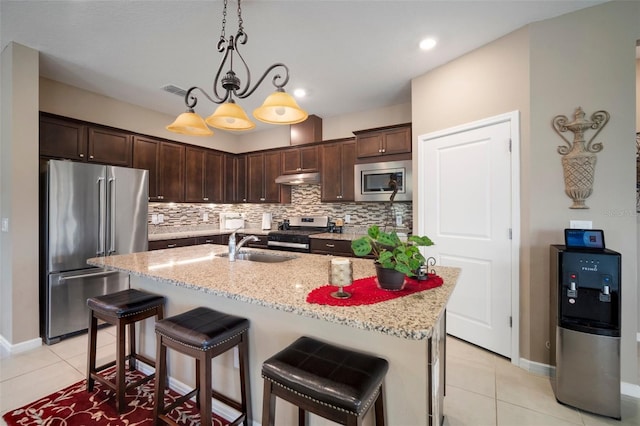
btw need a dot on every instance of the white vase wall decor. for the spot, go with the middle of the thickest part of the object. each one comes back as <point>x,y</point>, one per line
<point>579,157</point>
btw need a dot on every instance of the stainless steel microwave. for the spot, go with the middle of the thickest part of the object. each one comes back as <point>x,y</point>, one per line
<point>378,181</point>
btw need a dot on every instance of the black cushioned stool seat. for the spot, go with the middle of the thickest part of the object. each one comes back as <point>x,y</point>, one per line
<point>332,382</point>
<point>203,334</point>
<point>121,308</point>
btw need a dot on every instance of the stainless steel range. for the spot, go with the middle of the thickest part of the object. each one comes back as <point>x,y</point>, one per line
<point>293,234</point>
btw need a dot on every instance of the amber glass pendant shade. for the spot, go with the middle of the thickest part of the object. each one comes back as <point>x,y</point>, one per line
<point>190,123</point>
<point>230,116</point>
<point>280,108</point>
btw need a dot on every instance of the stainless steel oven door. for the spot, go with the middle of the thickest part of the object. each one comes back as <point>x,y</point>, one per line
<point>289,246</point>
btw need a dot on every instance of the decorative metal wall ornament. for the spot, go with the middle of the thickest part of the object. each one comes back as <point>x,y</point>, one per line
<point>578,158</point>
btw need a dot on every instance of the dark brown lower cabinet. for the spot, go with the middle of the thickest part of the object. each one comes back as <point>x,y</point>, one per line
<point>333,247</point>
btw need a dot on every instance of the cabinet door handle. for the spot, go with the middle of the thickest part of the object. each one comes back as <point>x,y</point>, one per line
<point>160,197</point>
<point>330,245</point>
<point>81,155</point>
<point>91,157</point>
<point>172,245</point>
<point>384,150</point>
<point>262,199</point>
<point>205,199</point>
<point>299,168</point>
<point>208,241</point>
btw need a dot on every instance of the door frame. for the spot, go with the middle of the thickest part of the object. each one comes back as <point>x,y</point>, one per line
<point>514,118</point>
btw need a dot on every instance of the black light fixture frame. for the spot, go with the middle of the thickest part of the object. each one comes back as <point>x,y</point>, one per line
<point>230,82</point>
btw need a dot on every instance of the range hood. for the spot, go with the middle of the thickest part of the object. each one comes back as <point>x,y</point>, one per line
<point>299,179</point>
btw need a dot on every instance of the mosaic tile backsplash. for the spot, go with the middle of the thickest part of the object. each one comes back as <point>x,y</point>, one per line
<point>305,201</point>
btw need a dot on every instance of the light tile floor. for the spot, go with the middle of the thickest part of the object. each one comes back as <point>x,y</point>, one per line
<point>482,388</point>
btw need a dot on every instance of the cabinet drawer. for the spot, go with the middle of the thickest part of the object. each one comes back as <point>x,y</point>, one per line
<point>178,242</point>
<point>213,239</point>
<point>333,247</point>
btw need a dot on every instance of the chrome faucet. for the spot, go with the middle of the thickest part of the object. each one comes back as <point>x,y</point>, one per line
<point>234,248</point>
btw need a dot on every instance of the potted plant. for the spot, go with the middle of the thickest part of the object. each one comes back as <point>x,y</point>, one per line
<point>395,258</point>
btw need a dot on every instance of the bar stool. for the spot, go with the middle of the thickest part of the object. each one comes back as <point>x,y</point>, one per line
<point>121,308</point>
<point>332,382</point>
<point>203,334</point>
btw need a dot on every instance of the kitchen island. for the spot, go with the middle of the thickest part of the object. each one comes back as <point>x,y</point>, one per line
<point>409,331</point>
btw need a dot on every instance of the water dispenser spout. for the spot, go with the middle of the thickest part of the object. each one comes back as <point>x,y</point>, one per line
<point>605,294</point>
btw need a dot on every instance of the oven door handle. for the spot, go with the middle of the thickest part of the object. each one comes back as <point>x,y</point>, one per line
<point>288,245</point>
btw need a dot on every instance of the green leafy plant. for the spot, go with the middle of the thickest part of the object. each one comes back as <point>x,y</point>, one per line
<point>390,251</point>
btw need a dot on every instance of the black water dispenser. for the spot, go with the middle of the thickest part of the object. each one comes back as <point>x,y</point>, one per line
<point>586,314</point>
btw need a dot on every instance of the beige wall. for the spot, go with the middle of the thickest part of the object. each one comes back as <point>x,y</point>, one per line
<point>19,194</point>
<point>545,69</point>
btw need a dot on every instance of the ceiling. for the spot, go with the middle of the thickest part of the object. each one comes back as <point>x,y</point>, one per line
<point>350,56</point>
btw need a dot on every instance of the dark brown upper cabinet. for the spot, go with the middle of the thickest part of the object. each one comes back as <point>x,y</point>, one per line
<point>337,176</point>
<point>204,178</point>
<point>301,160</point>
<point>235,178</point>
<point>166,164</point>
<point>74,140</point>
<point>383,141</point>
<point>262,170</point>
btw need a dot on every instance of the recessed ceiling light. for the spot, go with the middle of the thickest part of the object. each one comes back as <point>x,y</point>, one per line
<point>428,43</point>
<point>299,93</point>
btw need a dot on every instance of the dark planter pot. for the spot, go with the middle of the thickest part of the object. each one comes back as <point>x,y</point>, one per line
<point>389,279</point>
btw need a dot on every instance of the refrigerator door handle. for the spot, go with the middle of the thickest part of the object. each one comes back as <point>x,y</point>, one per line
<point>62,279</point>
<point>112,216</point>
<point>102,216</point>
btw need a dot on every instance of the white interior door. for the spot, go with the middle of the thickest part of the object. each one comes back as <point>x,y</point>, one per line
<point>465,184</point>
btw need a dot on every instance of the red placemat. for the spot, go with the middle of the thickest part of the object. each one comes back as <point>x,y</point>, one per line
<point>365,291</point>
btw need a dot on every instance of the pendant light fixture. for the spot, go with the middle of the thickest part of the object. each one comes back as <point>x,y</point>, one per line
<point>278,108</point>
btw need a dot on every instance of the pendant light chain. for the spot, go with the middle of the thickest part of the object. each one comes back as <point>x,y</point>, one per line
<point>240,27</point>
<point>223,35</point>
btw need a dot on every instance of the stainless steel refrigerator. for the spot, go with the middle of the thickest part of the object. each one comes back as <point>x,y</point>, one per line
<point>88,211</point>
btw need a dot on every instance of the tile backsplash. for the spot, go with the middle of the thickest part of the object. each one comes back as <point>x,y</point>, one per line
<point>305,201</point>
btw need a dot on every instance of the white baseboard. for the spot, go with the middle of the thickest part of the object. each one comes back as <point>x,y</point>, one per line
<point>537,367</point>
<point>19,347</point>
<point>218,407</point>
<point>630,389</point>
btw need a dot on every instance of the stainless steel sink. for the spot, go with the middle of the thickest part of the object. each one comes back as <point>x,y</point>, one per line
<point>260,257</point>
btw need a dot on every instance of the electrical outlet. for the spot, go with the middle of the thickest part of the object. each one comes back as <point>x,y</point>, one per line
<point>347,218</point>
<point>205,217</point>
<point>154,219</point>
<point>399,219</point>
<point>160,218</point>
<point>5,224</point>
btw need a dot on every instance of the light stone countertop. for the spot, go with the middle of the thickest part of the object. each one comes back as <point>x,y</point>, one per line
<point>285,285</point>
<point>202,233</point>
